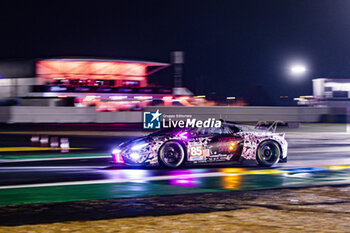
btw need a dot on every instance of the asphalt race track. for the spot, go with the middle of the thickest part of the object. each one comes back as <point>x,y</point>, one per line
<point>33,174</point>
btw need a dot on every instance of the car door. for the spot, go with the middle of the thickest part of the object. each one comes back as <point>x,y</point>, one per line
<point>212,144</point>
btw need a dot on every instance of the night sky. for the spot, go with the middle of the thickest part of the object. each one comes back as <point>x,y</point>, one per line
<point>231,46</point>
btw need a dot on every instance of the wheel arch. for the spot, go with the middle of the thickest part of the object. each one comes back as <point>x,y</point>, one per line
<point>184,146</point>
<point>174,140</point>
<point>269,139</point>
<point>274,140</point>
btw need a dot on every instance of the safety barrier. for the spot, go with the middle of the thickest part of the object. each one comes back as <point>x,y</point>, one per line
<point>247,113</point>
<point>46,114</point>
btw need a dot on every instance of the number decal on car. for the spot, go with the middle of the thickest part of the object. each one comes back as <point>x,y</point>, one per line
<point>195,152</point>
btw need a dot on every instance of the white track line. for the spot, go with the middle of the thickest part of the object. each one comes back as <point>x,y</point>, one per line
<point>109,181</point>
<point>127,180</point>
<point>80,133</point>
<point>50,159</point>
<point>320,149</point>
<point>292,150</point>
<point>4,169</point>
<point>311,163</point>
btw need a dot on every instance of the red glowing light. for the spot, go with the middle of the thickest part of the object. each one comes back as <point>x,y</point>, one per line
<point>75,69</point>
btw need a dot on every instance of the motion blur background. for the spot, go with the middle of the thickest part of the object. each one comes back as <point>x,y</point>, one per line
<point>233,48</point>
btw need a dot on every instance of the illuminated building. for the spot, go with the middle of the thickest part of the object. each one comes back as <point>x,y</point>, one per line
<point>110,85</point>
<point>329,93</point>
<point>96,72</point>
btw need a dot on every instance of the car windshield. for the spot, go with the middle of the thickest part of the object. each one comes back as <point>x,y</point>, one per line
<point>210,131</point>
<point>247,128</point>
<point>225,129</point>
<point>234,128</point>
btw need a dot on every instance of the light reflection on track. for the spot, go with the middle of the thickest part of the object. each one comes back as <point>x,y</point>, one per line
<point>129,183</point>
<point>185,177</point>
<point>91,178</point>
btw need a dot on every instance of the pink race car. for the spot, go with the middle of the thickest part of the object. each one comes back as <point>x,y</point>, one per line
<point>231,142</point>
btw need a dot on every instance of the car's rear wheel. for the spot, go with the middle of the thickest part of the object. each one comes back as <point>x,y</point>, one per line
<point>268,153</point>
<point>171,154</point>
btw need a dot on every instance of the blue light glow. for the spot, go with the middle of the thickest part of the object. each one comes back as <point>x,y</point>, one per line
<point>116,151</point>
<point>138,147</point>
<point>135,156</point>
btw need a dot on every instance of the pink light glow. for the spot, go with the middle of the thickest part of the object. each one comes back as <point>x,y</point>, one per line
<point>182,135</point>
<point>118,158</point>
<point>183,178</point>
<point>91,69</point>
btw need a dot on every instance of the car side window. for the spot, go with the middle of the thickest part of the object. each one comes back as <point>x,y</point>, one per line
<point>226,130</point>
<point>202,131</point>
<point>210,131</point>
<point>216,130</point>
<point>234,129</point>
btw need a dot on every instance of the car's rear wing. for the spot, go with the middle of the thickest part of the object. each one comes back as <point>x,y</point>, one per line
<point>272,127</point>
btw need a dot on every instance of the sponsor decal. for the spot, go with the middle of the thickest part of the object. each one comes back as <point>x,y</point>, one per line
<point>152,120</point>
<point>191,123</point>
<point>195,151</point>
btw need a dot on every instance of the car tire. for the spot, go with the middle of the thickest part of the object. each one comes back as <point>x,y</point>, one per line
<point>172,154</point>
<point>268,153</point>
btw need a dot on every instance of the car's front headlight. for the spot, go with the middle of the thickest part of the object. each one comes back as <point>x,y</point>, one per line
<point>116,151</point>
<point>138,146</point>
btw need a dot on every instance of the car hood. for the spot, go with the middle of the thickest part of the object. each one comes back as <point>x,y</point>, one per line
<point>134,141</point>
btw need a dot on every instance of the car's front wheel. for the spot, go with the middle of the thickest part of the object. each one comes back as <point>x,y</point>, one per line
<point>171,154</point>
<point>268,153</point>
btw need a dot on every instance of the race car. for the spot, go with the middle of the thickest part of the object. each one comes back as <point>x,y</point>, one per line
<point>229,143</point>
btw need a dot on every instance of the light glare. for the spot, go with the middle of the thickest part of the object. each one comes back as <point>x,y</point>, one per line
<point>298,69</point>
<point>135,156</point>
<point>116,151</point>
<point>138,147</point>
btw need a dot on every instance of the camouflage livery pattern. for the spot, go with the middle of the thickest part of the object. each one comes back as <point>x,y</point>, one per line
<point>253,139</point>
<point>246,142</point>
